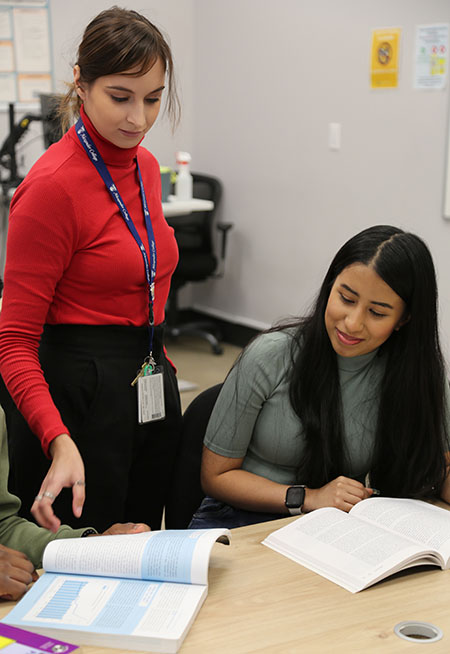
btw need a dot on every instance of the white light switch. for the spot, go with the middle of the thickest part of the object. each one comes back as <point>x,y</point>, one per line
<point>334,136</point>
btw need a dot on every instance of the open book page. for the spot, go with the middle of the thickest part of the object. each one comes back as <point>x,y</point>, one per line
<point>345,549</point>
<point>420,521</point>
<point>174,555</point>
<point>102,605</point>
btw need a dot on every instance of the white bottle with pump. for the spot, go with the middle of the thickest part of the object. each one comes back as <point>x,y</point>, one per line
<point>183,184</point>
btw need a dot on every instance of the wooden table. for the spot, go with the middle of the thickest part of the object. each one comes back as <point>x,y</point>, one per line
<point>260,602</point>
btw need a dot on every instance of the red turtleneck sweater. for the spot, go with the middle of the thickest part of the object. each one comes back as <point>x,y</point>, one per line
<point>72,260</point>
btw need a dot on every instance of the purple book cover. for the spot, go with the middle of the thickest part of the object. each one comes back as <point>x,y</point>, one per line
<point>42,643</point>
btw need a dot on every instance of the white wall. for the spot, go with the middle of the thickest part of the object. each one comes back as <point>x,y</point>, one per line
<point>269,77</point>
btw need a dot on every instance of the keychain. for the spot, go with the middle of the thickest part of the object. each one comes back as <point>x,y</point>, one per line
<point>149,362</point>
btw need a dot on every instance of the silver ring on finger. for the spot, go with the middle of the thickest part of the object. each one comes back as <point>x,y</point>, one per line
<point>38,498</point>
<point>49,494</point>
<point>80,482</point>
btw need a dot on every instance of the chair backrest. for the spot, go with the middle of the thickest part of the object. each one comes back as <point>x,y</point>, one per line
<point>194,231</point>
<point>186,491</point>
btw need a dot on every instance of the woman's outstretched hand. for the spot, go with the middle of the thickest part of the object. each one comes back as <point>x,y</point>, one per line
<point>126,528</point>
<point>342,493</point>
<point>66,471</point>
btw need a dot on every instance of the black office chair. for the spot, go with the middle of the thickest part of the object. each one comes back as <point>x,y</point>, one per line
<point>186,492</point>
<point>198,261</point>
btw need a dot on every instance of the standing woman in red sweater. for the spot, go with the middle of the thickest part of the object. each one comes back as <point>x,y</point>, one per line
<point>89,262</point>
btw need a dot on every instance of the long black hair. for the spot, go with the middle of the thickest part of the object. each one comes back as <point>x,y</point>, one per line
<point>411,432</point>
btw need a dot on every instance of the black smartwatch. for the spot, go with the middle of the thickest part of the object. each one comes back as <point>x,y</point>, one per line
<point>295,497</point>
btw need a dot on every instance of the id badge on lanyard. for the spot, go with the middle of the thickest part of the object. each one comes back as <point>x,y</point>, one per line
<point>150,391</point>
<point>149,379</point>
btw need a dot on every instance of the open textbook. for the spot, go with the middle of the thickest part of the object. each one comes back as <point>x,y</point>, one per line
<point>138,591</point>
<point>378,537</point>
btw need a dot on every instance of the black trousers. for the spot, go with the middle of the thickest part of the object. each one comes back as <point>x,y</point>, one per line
<point>129,467</point>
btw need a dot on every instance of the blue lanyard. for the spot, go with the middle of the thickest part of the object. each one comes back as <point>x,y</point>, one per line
<point>150,267</point>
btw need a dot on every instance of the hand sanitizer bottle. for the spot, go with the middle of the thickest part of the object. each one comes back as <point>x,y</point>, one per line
<point>183,184</point>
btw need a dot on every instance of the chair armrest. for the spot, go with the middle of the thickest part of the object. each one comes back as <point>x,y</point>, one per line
<point>224,229</point>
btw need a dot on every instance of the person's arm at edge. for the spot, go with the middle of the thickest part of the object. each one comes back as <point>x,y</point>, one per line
<point>19,534</point>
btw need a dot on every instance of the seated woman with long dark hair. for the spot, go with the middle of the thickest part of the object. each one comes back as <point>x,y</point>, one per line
<point>353,397</point>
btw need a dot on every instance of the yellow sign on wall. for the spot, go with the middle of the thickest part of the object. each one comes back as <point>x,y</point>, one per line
<point>384,58</point>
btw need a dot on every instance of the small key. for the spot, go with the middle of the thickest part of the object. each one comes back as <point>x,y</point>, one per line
<point>148,363</point>
<point>141,373</point>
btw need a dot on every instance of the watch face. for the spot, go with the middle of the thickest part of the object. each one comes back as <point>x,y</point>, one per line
<point>295,497</point>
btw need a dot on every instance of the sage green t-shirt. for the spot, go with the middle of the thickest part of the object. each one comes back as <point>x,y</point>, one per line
<point>253,417</point>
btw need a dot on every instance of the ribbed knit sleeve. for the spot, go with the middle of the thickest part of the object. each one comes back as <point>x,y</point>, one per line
<point>42,236</point>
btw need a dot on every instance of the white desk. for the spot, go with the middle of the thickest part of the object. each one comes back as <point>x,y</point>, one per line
<point>176,207</point>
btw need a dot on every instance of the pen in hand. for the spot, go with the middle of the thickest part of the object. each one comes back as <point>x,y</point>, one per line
<point>375,491</point>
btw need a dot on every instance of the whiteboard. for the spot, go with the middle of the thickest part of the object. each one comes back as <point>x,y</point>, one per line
<point>25,51</point>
